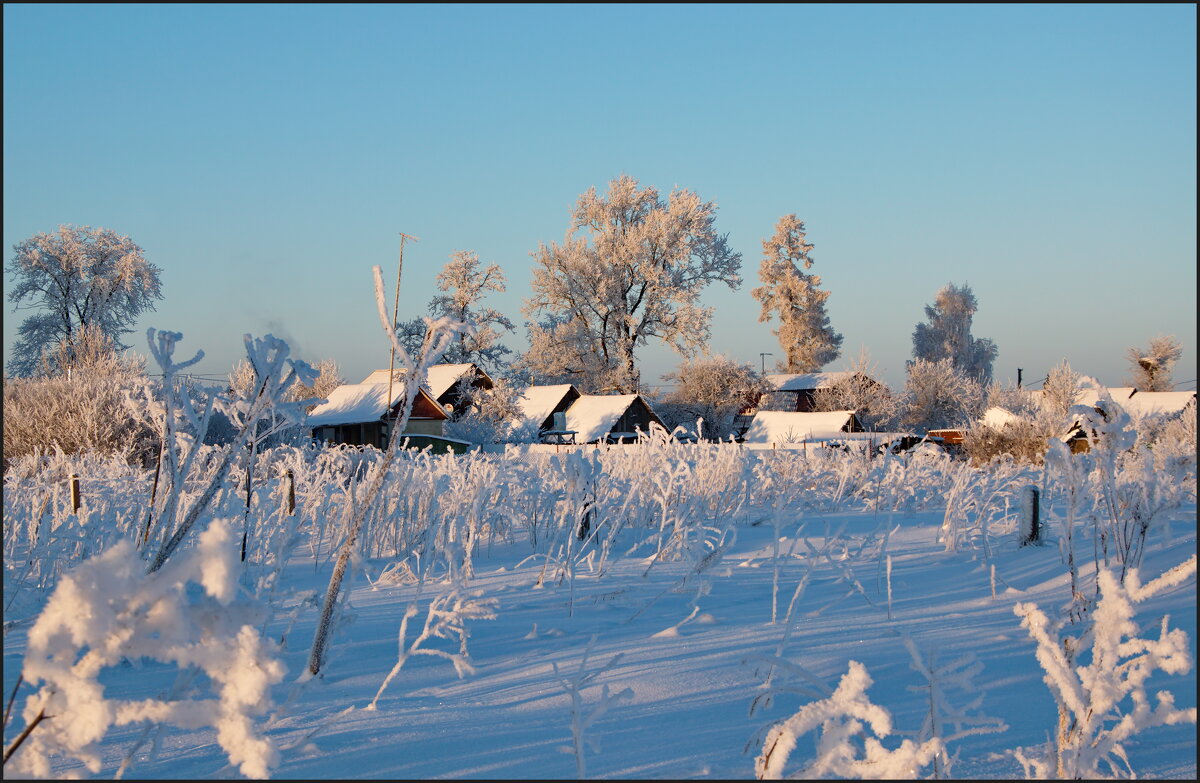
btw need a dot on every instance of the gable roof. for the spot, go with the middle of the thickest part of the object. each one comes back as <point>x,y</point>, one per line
<point>1119,395</point>
<point>785,426</point>
<point>441,377</point>
<point>1157,403</point>
<point>356,403</point>
<point>592,416</point>
<point>806,381</point>
<point>538,402</point>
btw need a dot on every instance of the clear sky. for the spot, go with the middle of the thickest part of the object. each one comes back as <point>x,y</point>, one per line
<point>265,157</point>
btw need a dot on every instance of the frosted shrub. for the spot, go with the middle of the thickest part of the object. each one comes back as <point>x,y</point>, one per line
<point>838,721</point>
<point>941,714</point>
<point>107,610</point>
<point>583,718</point>
<point>446,618</point>
<point>1103,703</point>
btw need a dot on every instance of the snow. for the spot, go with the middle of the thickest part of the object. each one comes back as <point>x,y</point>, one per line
<point>355,403</point>
<point>439,381</point>
<point>538,402</point>
<point>592,416</point>
<point>516,666</point>
<point>1157,403</point>
<point>802,381</point>
<point>443,376</point>
<point>788,426</point>
<point>1089,396</point>
<point>996,417</point>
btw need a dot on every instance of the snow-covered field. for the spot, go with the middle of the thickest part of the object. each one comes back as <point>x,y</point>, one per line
<point>718,591</point>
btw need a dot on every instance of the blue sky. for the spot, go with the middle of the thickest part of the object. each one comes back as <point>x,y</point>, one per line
<point>265,158</point>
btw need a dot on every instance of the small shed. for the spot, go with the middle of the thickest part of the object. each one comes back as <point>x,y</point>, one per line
<point>361,414</point>
<point>539,404</point>
<point>442,383</point>
<point>797,427</point>
<point>612,417</point>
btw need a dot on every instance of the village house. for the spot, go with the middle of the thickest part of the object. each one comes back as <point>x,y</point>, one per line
<point>442,383</point>
<point>797,391</point>
<point>541,405</point>
<point>779,427</point>
<point>609,417</point>
<point>361,414</point>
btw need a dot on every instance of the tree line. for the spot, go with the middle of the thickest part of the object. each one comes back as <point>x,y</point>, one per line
<point>630,270</point>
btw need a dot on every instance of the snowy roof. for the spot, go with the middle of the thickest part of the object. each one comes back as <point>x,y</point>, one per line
<point>1157,403</point>
<point>355,403</point>
<point>538,402</point>
<point>785,426</point>
<point>1119,394</point>
<point>592,416</point>
<point>439,381</point>
<point>802,381</point>
<point>996,417</point>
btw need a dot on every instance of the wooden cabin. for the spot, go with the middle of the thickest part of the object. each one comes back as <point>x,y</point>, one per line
<point>360,414</point>
<point>797,391</point>
<point>798,427</point>
<point>539,404</point>
<point>610,417</point>
<point>442,383</point>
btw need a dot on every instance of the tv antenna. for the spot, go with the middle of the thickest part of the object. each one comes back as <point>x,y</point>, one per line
<point>396,314</point>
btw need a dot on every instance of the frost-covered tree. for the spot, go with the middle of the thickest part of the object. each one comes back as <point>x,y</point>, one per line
<point>939,395</point>
<point>713,388</point>
<point>77,277</point>
<point>1059,392</point>
<point>77,402</point>
<point>947,334</point>
<point>630,269</point>
<point>808,341</point>
<point>872,401</point>
<point>489,415</point>
<point>464,285</point>
<point>1151,367</point>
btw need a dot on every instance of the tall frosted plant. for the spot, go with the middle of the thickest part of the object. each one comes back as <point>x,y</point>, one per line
<point>439,335</point>
<point>277,373</point>
<point>1099,679</point>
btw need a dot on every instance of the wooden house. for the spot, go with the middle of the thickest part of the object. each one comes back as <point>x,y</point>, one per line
<point>610,417</point>
<point>797,391</point>
<point>539,404</point>
<point>361,414</point>
<point>442,383</point>
<point>799,427</point>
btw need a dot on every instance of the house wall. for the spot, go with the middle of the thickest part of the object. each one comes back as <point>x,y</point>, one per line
<point>372,433</point>
<point>425,427</point>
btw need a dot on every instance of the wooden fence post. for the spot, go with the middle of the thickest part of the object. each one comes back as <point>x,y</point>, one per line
<point>1030,524</point>
<point>291,492</point>
<point>75,493</point>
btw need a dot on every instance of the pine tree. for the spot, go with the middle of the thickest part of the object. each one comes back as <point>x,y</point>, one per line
<point>807,339</point>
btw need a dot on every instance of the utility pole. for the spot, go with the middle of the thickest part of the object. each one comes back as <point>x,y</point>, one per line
<point>395,315</point>
<point>763,358</point>
<point>1018,377</point>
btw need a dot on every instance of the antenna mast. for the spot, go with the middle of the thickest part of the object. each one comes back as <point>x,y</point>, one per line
<point>395,315</point>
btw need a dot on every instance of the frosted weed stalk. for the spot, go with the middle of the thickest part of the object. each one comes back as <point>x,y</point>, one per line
<point>583,718</point>
<point>1093,721</point>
